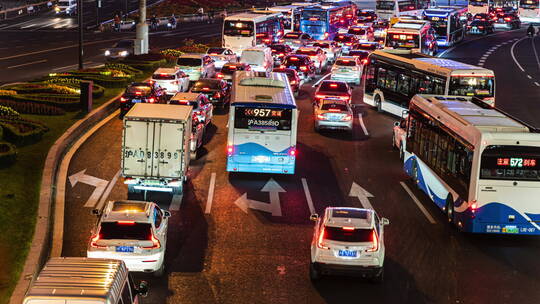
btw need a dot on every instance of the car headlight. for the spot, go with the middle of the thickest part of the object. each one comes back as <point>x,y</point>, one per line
<point>107,53</point>
<point>123,53</point>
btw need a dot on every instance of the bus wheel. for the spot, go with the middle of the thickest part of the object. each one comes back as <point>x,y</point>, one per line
<point>378,103</point>
<point>449,209</point>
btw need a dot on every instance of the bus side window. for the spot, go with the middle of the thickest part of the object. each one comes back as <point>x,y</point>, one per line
<point>381,78</point>
<point>403,85</point>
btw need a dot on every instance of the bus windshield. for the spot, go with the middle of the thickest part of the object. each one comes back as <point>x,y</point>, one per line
<point>252,118</point>
<point>440,27</point>
<point>311,15</point>
<point>238,28</point>
<point>480,86</point>
<point>511,163</point>
<point>402,41</point>
<point>385,5</point>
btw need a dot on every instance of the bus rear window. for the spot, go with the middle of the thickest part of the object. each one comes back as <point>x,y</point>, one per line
<point>238,28</point>
<point>480,86</point>
<point>345,235</point>
<point>125,231</point>
<point>402,41</point>
<point>314,15</point>
<point>255,118</point>
<point>517,163</point>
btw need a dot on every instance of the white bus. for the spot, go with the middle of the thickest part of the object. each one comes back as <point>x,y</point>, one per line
<point>386,9</point>
<point>529,11</point>
<point>477,164</point>
<point>479,6</point>
<point>391,80</point>
<point>408,36</point>
<point>448,23</point>
<point>262,124</point>
<point>246,30</point>
<point>291,16</point>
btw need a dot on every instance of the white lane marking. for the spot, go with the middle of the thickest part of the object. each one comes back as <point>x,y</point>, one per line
<point>537,84</point>
<point>468,41</point>
<point>418,204</point>
<point>175,202</point>
<point>25,27</point>
<point>529,76</point>
<point>514,56</point>
<point>107,191</point>
<point>362,194</point>
<point>210,198</point>
<point>362,124</point>
<point>99,186</point>
<point>535,52</point>
<point>25,64</point>
<point>308,196</point>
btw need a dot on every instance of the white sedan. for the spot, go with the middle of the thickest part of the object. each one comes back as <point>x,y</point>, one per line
<point>348,69</point>
<point>221,56</point>
<point>332,48</point>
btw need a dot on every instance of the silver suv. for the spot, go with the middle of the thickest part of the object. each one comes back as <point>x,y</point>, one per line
<point>348,241</point>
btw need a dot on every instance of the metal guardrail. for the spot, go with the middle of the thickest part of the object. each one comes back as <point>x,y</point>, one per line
<point>24,10</point>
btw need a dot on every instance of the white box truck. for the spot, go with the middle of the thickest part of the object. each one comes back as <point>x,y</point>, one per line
<point>155,147</point>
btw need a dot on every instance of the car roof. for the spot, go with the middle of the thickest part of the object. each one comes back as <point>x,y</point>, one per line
<point>190,96</point>
<point>138,211</point>
<point>355,217</point>
<point>166,71</point>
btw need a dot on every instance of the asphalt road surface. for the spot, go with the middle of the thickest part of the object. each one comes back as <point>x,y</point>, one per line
<point>219,254</point>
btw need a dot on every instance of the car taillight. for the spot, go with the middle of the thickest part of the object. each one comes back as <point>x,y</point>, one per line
<point>347,117</point>
<point>345,98</point>
<point>320,241</point>
<point>293,82</point>
<point>155,243</point>
<point>281,40</point>
<point>507,19</point>
<point>348,43</point>
<point>219,75</point>
<point>297,41</point>
<point>374,242</point>
<point>217,95</point>
<point>364,61</point>
<point>321,117</point>
<point>480,27</point>
<point>320,96</point>
<point>303,68</point>
<point>123,99</point>
<point>151,100</point>
<point>326,34</point>
<point>468,26</point>
<point>94,241</point>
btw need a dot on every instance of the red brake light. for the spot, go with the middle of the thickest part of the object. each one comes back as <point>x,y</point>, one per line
<point>293,58</point>
<point>333,85</point>
<point>321,117</point>
<point>126,222</point>
<point>217,95</point>
<point>364,61</point>
<point>95,239</point>
<point>151,100</point>
<point>348,43</point>
<point>219,75</point>
<point>320,241</point>
<point>155,243</point>
<point>230,150</point>
<point>292,152</point>
<point>334,110</point>
<point>303,68</point>
<point>348,228</point>
<point>123,99</point>
<point>347,117</point>
<point>374,242</point>
<point>507,19</point>
<point>206,89</point>
<point>480,27</point>
<point>138,93</point>
<point>293,82</point>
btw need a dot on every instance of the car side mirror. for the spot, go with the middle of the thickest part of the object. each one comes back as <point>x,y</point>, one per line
<point>385,221</point>
<point>166,213</point>
<point>314,217</point>
<point>96,212</point>
<point>143,289</point>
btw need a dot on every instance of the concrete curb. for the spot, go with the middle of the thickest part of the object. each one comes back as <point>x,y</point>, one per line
<point>40,247</point>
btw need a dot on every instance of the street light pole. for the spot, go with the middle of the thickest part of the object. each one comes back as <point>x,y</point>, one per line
<point>141,41</point>
<point>80,19</point>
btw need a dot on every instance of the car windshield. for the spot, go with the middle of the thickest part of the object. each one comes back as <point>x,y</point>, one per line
<point>322,45</point>
<point>345,62</point>
<point>238,28</point>
<point>123,44</point>
<point>190,62</point>
<point>366,46</point>
<point>334,106</point>
<point>290,73</point>
<point>479,23</point>
<point>359,54</point>
<point>292,36</point>
<point>204,85</point>
<point>252,57</point>
<point>353,235</point>
<point>125,231</point>
<point>215,51</point>
<point>296,61</point>
<point>138,90</point>
<point>307,52</point>
<point>480,86</point>
<point>229,69</point>
<point>333,86</point>
<point>163,76</point>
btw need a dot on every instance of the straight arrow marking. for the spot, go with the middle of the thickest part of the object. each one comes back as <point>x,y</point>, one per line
<point>362,195</point>
<point>273,188</point>
<point>98,183</point>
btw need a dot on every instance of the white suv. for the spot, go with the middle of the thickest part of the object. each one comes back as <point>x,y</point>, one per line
<point>348,241</point>
<point>134,232</point>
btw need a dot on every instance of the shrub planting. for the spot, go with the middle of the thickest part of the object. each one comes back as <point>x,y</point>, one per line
<point>8,154</point>
<point>22,132</point>
<point>24,107</point>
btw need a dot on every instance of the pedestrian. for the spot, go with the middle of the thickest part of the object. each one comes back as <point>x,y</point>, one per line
<point>117,23</point>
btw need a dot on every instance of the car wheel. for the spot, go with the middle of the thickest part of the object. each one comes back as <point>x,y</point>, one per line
<point>379,278</point>
<point>314,274</point>
<point>159,273</point>
<point>449,208</point>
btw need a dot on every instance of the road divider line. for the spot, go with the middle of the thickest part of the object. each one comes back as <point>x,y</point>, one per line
<point>418,204</point>
<point>529,76</point>
<point>362,124</point>
<point>514,56</point>
<point>535,52</point>
<point>107,191</point>
<point>308,196</point>
<point>25,64</point>
<point>469,41</point>
<point>176,202</point>
<point>537,84</point>
<point>210,198</point>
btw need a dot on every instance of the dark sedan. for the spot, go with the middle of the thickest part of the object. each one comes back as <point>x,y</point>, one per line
<point>216,90</point>
<point>292,75</point>
<point>140,92</point>
<point>478,27</point>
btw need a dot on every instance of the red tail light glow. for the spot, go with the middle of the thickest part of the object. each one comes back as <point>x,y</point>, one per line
<point>219,75</point>
<point>95,239</point>
<point>507,19</point>
<point>155,243</point>
<point>138,93</point>
<point>348,228</point>
<point>123,99</point>
<point>126,222</point>
<point>292,152</point>
<point>230,150</point>
<point>374,242</point>
<point>347,117</point>
<point>303,68</point>
<point>151,100</point>
<point>320,241</point>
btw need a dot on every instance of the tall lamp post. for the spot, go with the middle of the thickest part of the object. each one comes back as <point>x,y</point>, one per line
<point>141,38</point>
<point>80,21</point>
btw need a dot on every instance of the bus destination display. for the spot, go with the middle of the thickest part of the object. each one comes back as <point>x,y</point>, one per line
<point>262,118</point>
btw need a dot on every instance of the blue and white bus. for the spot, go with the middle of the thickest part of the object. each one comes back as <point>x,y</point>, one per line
<point>322,22</point>
<point>262,124</point>
<point>477,164</point>
<point>448,22</point>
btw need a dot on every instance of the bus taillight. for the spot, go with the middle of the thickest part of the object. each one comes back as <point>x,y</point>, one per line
<point>230,150</point>
<point>292,152</point>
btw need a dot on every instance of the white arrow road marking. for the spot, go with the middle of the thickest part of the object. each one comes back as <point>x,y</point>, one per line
<point>362,124</point>
<point>308,196</point>
<point>418,204</point>
<point>274,207</point>
<point>98,183</point>
<point>175,202</point>
<point>105,195</point>
<point>362,195</point>
<point>210,198</point>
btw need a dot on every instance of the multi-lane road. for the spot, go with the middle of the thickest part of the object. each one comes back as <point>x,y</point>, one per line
<point>218,253</point>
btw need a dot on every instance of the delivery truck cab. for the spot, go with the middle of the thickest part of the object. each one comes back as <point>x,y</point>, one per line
<point>79,280</point>
<point>156,147</point>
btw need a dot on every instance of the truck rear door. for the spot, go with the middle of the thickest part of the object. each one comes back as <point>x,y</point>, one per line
<point>169,149</point>
<point>137,148</point>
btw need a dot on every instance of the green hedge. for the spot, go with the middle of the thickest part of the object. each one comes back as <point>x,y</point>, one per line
<point>8,154</point>
<point>97,90</point>
<point>146,66</point>
<point>22,132</point>
<point>66,102</point>
<point>44,88</point>
<point>123,67</point>
<point>25,107</point>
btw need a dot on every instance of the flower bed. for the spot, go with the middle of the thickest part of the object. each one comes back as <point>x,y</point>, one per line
<point>30,107</point>
<point>97,90</point>
<point>8,154</point>
<point>47,88</point>
<point>22,132</point>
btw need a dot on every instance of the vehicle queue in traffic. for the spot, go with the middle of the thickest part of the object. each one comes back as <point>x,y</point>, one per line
<point>254,78</point>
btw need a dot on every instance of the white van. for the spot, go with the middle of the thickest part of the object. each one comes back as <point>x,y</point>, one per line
<point>68,7</point>
<point>259,58</point>
<point>85,281</point>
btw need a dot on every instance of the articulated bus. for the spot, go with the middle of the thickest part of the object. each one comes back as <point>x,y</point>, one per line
<point>391,80</point>
<point>448,23</point>
<point>479,165</point>
<point>323,22</point>
<point>386,9</point>
<point>246,30</point>
<point>408,36</point>
<point>479,6</point>
<point>263,122</point>
<point>529,11</point>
